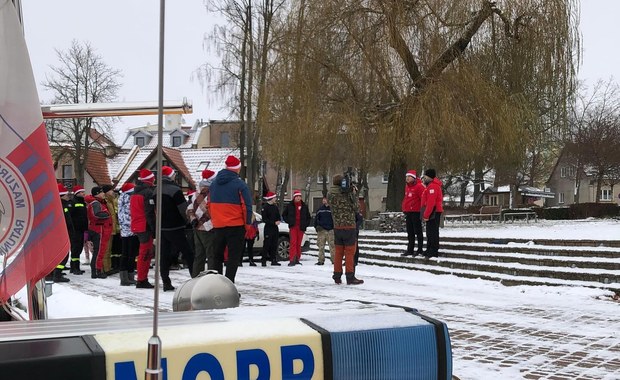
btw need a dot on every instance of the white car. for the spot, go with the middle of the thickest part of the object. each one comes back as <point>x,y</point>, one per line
<point>283,240</point>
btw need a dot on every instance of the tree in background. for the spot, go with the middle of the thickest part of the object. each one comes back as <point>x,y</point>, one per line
<point>460,86</point>
<point>594,140</point>
<point>81,77</point>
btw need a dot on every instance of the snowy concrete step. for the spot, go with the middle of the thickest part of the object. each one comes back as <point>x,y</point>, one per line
<point>543,250</point>
<point>383,237</point>
<point>505,279</point>
<point>512,264</point>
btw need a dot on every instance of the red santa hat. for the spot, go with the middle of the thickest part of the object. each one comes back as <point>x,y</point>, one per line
<point>269,195</point>
<point>206,174</point>
<point>145,175</point>
<point>411,173</point>
<point>62,190</point>
<point>77,189</point>
<point>232,162</point>
<point>191,192</point>
<point>127,187</point>
<point>296,193</point>
<point>167,171</point>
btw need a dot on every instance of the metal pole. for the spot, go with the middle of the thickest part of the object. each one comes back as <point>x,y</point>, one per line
<point>37,300</point>
<point>153,361</point>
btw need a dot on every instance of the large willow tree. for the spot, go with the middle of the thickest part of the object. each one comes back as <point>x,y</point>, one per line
<point>454,85</point>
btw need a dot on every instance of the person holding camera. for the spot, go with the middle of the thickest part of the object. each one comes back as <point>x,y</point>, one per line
<point>344,205</point>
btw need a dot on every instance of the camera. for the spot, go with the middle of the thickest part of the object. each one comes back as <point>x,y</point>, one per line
<point>348,184</point>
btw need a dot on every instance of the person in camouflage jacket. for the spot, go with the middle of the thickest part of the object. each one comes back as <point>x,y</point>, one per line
<point>344,207</point>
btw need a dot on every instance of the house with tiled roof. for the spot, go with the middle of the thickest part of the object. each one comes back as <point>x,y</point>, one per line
<point>96,170</point>
<point>188,149</point>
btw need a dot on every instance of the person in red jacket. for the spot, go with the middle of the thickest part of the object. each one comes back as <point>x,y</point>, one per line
<point>412,202</point>
<point>100,224</point>
<point>142,211</point>
<point>432,203</point>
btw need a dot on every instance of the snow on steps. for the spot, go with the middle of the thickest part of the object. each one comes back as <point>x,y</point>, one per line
<point>586,263</point>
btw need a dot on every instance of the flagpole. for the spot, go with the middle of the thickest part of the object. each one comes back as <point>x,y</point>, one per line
<point>37,299</point>
<point>153,361</point>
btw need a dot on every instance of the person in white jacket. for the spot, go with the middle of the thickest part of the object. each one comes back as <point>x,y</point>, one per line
<point>198,215</point>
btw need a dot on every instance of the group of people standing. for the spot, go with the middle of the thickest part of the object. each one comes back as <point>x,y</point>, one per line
<point>422,203</point>
<point>222,224</point>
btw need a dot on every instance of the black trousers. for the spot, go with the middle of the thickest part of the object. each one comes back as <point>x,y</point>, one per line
<point>414,232</point>
<point>432,235</point>
<point>232,238</point>
<point>249,248</point>
<point>173,241</point>
<point>129,252</point>
<point>77,245</point>
<point>270,243</point>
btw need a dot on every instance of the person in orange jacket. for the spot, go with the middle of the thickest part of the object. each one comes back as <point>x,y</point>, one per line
<point>230,207</point>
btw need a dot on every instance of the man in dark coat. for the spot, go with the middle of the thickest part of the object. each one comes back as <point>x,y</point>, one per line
<point>57,275</point>
<point>80,225</point>
<point>271,218</point>
<point>324,225</point>
<point>173,238</point>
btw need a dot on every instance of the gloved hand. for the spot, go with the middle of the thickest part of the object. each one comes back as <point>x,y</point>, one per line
<point>249,233</point>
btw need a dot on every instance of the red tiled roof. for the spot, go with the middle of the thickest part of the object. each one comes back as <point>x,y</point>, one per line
<point>175,160</point>
<point>97,167</point>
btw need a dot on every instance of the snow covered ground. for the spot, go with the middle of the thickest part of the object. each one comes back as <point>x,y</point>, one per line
<point>522,332</point>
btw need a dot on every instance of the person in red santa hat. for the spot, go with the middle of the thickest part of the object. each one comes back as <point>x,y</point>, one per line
<point>271,218</point>
<point>297,215</point>
<point>100,227</point>
<point>173,238</point>
<point>412,202</point>
<point>142,210</point>
<point>230,207</point>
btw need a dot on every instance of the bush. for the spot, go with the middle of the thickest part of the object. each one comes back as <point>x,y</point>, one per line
<point>593,210</point>
<point>579,211</point>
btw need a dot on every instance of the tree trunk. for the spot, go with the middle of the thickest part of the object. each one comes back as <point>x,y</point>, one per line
<point>396,182</point>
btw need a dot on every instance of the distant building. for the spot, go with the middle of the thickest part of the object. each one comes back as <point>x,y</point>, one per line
<point>563,182</point>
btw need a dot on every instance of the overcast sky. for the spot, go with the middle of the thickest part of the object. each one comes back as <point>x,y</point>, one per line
<point>126,34</point>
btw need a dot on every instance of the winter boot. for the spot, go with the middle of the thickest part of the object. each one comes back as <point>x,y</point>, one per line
<point>125,278</point>
<point>351,280</point>
<point>101,274</point>
<point>275,263</point>
<point>145,284</point>
<point>58,277</point>
<point>131,276</point>
<point>337,277</point>
<point>168,287</point>
<point>75,267</point>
